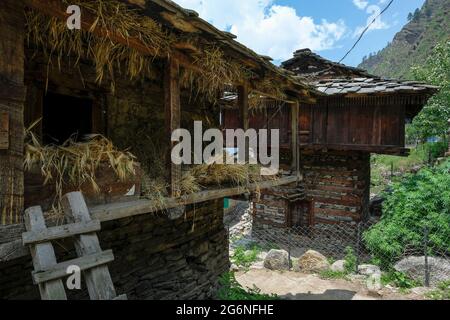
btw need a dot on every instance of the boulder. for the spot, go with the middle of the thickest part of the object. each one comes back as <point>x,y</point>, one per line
<point>338,266</point>
<point>415,268</point>
<point>374,282</point>
<point>369,270</point>
<point>312,261</point>
<point>277,260</point>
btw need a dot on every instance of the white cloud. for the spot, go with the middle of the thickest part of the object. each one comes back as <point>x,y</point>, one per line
<point>373,11</point>
<point>361,4</point>
<point>267,28</point>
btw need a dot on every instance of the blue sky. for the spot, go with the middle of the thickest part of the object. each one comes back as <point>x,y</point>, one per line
<point>329,27</point>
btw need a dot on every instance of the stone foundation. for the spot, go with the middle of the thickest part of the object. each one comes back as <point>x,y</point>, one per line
<point>155,258</point>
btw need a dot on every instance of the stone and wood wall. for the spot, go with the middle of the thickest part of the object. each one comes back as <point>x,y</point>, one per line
<point>155,257</point>
<point>336,189</point>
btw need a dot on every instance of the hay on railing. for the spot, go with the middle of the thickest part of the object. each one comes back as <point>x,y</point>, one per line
<point>75,163</point>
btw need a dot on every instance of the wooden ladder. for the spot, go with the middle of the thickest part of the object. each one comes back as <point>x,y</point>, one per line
<point>92,261</point>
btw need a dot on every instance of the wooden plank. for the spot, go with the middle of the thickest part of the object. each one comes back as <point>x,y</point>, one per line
<point>43,256</point>
<point>98,279</point>
<point>123,210</point>
<point>172,108</point>
<point>85,263</point>
<point>120,210</point>
<point>243,106</point>
<point>4,130</point>
<point>60,232</point>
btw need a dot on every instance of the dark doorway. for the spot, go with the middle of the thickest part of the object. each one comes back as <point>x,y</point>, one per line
<point>65,117</point>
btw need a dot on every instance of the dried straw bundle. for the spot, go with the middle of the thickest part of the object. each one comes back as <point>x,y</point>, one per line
<point>58,41</point>
<point>76,163</point>
<point>216,74</point>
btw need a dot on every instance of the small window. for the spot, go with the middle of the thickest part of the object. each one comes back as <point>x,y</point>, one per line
<point>65,117</point>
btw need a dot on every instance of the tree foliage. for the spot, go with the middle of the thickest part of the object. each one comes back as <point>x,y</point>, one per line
<point>433,120</point>
<point>417,202</point>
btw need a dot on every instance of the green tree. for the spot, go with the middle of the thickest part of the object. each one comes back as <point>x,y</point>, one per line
<point>432,121</point>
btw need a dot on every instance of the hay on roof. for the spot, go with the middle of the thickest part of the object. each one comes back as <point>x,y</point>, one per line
<point>57,41</point>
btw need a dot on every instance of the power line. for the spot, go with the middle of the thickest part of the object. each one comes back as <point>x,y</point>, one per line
<point>366,29</point>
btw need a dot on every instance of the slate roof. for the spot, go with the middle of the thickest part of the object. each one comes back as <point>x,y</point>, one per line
<point>370,86</point>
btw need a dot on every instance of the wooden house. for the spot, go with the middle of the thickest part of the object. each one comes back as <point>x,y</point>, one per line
<point>359,115</point>
<point>136,71</point>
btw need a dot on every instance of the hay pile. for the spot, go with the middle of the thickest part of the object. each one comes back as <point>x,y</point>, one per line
<point>217,72</point>
<point>57,41</point>
<point>75,163</point>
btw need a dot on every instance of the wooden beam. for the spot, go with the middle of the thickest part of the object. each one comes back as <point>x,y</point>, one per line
<point>60,232</point>
<point>85,263</point>
<point>173,120</point>
<point>115,211</point>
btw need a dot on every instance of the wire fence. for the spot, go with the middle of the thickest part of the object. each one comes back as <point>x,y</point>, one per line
<point>424,259</point>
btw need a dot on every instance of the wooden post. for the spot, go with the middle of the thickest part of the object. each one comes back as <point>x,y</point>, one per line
<point>173,119</point>
<point>43,256</point>
<point>12,96</point>
<point>98,279</point>
<point>243,106</point>
<point>294,129</point>
<point>243,113</point>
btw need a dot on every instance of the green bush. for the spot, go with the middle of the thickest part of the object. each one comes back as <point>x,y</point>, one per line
<point>231,290</point>
<point>245,258</point>
<point>441,293</point>
<point>417,201</point>
<point>399,280</point>
<point>351,261</point>
<point>437,149</point>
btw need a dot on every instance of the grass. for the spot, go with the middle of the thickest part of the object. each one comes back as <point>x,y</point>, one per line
<point>399,280</point>
<point>383,166</point>
<point>332,275</point>
<point>441,293</point>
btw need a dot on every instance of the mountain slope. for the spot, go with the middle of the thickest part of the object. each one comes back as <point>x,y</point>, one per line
<point>411,46</point>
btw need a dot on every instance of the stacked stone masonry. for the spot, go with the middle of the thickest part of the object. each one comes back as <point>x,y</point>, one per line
<point>155,258</point>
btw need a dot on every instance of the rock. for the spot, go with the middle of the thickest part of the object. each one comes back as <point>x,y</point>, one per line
<point>234,268</point>
<point>369,269</point>
<point>338,266</point>
<point>277,260</point>
<point>312,261</point>
<point>415,268</point>
<point>374,282</point>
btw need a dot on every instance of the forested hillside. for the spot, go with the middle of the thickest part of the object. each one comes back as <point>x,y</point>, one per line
<point>414,43</point>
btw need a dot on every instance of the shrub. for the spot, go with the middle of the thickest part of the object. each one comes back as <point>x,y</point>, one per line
<point>231,290</point>
<point>245,258</point>
<point>417,201</point>
<point>441,293</point>
<point>399,280</point>
<point>351,261</point>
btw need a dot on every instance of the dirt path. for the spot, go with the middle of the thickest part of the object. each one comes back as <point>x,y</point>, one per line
<point>297,286</point>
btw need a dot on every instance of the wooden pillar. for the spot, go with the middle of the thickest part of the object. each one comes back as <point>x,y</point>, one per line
<point>12,97</point>
<point>243,113</point>
<point>173,119</point>
<point>243,106</point>
<point>294,132</point>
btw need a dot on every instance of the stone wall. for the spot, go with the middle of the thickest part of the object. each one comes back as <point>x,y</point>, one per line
<point>338,184</point>
<point>335,189</point>
<point>155,258</point>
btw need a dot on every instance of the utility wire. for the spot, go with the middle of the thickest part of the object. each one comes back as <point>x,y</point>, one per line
<point>366,29</point>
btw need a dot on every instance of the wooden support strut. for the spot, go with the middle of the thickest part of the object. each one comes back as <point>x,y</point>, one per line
<point>173,120</point>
